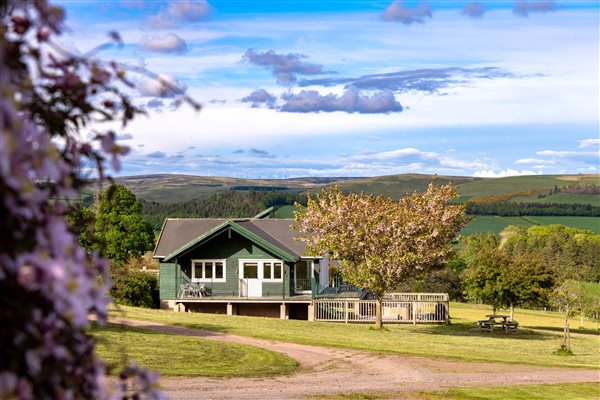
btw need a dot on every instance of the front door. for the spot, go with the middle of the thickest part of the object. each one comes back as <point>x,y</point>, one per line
<point>251,284</point>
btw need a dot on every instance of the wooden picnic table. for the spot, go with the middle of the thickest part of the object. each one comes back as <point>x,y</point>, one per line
<point>492,321</point>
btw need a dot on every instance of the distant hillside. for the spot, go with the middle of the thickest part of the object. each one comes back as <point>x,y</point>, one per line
<point>177,188</point>
<point>199,196</point>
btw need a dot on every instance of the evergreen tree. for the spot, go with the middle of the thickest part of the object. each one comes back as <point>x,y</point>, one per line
<point>120,229</point>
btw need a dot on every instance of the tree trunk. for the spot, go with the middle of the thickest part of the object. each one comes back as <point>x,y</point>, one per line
<point>581,320</point>
<point>378,319</point>
<point>512,311</point>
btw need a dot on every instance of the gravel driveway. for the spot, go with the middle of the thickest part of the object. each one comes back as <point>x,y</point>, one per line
<point>328,371</point>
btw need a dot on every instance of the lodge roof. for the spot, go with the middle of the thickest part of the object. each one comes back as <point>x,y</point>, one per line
<point>177,233</point>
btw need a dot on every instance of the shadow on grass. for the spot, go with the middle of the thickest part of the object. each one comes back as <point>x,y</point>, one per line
<point>468,329</point>
<point>560,330</point>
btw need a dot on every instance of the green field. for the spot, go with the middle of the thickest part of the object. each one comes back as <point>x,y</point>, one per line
<point>176,355</point>
<point>540,335</point>
<point>396,186</point>
<point>491,223</point>
<point>514,184</point>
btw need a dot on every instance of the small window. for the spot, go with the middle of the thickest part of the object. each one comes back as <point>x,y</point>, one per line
<point>219,270</point>
<point>267,271</point>
<point>277,271</point>
<point>208,270</point>
<point>198,270</point>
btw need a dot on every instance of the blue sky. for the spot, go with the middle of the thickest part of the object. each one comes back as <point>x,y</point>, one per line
<point>356,88</point>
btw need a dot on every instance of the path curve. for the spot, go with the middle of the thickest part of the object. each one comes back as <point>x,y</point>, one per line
<point>329,370</point>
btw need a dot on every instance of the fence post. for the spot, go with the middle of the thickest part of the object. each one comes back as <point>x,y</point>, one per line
<point>414,313</point>
<point>346,311</point>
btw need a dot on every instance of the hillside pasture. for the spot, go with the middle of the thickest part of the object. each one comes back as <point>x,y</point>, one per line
<point>495,224</point>
<point>396,186</point>
<point>515,184</point>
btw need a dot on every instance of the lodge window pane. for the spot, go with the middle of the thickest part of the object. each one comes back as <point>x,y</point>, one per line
<point>267,270</point>
<point>218,270</point>
<point>277,271</point>
<point>250,271</point>
<point>197,270</point>
<point>208,270</point>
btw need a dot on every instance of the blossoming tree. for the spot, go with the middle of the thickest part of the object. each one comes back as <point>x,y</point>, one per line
<point>378,241</point>
<point>48,284</point>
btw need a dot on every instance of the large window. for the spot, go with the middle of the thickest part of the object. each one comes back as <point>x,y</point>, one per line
<point>208,270</point>
<point>267,270</point>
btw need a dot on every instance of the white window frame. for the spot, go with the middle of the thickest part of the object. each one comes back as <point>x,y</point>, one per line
<point>261,269</point>
<point>214,268</point>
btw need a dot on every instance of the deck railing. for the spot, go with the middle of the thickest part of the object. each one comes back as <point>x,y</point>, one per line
<point>392,311</point>
<point>301,285</point>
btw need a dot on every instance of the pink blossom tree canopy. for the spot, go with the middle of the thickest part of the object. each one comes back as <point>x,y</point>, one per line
<point>381,242</point>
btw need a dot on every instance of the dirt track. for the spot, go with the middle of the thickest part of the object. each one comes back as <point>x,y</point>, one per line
<point>328,371</point>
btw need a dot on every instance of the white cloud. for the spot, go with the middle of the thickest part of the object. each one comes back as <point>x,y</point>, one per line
<point>568,154</point>
<point>180,12</point>
<point>527,161</point>
<point>170,43</point>
<point>585,143</point>
<point>503,173</point>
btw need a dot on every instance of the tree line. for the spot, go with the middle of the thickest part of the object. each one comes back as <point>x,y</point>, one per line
<point>224,204</point>
<point>521,266</point>
<point>510,209</point>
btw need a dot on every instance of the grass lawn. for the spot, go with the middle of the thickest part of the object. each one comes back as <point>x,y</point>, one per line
<point>176,355</point>
<point>573,391</point>
<point>539,336</point>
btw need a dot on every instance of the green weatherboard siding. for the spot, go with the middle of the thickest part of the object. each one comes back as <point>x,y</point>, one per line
<point>168,289</point>
<point>229,246</point>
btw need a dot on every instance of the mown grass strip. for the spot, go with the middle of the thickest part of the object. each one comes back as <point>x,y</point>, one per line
<point>176,355</point>
<point>573,391</point>
<point>539,335</point>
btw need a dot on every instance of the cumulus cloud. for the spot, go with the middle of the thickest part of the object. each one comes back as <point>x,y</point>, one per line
<point>503,173</point>
<point>474,9</point>
<point>352,101</point>
<point>171,43</point>
<point>180,12</point>
<point>525,7</point>
<point>399,13</point>
<point>157,154</point>
<point>284,67</point>
<point>259,98</point>
<point>162,86</point>
<point>427,80</point>
<point>585,143</point>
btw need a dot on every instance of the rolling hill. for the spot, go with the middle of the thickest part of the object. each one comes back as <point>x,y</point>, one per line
<point>177,188</point>
<point>171,189</point>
